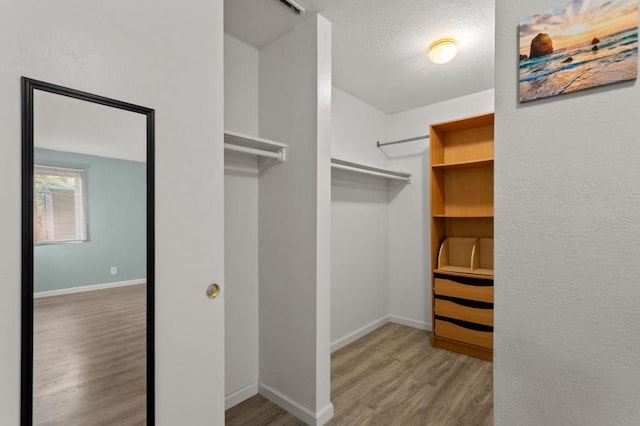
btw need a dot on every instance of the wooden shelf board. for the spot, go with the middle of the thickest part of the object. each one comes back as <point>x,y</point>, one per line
<point>483,271</point>
<point>462,216</point>
<point>465,123</point>
<point>459,271</point>
<point>463,164</point>
<point>454,268</point>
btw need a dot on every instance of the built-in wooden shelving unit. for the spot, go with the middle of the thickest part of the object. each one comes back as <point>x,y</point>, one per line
<point>461,154</point>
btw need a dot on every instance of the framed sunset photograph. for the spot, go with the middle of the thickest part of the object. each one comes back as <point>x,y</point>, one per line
<point>577,46</point>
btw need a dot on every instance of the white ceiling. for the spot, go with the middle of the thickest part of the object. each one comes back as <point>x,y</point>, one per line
<point>72,125</point>
<point>380,46</point>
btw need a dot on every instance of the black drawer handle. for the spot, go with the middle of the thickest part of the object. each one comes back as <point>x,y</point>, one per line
<point>466,324</point>
<point>466,302</point>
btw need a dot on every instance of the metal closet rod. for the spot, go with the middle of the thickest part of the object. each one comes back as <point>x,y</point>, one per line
<point>417,138</point>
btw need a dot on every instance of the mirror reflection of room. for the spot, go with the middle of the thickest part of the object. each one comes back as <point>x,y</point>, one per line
<point>90,263</point>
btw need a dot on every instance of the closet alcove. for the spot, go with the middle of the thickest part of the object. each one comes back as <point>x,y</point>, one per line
<point>277,213</point>
<point>331,243</point>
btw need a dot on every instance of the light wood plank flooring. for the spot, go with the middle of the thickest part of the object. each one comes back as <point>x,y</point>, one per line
<point>393,376</point>
<point>90,358</point>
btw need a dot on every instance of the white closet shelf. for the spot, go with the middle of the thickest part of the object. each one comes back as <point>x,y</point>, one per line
<point>370,170</point>
<point>260,147</point>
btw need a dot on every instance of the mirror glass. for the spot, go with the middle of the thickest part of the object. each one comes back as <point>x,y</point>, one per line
<point>89,280</point>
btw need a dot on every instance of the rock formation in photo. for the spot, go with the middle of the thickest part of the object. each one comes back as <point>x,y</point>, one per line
<point>541,45</point>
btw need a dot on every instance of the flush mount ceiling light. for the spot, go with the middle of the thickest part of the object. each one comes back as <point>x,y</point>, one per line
<point>443,50</point>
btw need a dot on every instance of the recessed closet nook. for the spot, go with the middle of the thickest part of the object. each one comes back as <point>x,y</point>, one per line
<point>327,235</point>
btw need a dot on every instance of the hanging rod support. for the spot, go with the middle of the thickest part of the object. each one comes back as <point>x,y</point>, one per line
<point>417,138</point>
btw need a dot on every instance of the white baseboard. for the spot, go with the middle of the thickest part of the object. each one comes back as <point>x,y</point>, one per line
<point>240,395</point>
<point>352,337</point>
<point>421,325</point>
<point>324,415</point>
<point>92,287</point>
<point>313,419</point>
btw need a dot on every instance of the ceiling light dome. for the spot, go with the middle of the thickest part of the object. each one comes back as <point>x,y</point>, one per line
<point>443,51</point>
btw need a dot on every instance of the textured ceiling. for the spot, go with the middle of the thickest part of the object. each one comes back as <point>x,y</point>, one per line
<point>73,125</point>
<point>380,46</point>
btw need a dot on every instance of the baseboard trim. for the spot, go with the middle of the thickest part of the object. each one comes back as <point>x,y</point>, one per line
<point>352,337</point>
<point>92,287</point>
<point>420,325</point>
<point>295,408</point>
<point>240,395</point>
<point>324,415</point>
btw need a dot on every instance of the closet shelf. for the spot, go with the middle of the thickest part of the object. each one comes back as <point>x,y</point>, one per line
<point>260,147</point>
<point>369,170</point>
<point>463,216</point>
<point>463,164</point>
<point>485,274</point>
<point>464,255</point>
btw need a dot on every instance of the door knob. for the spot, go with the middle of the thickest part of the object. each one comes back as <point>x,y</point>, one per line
<point>213,291</point>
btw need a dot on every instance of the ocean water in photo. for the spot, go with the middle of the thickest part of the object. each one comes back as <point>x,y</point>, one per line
<point>580,67</point>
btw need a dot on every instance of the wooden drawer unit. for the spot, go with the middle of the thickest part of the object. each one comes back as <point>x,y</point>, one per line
<point>463,314</point>
<point>460,309</point>
<point>464,288</point>
<point>450,330</point>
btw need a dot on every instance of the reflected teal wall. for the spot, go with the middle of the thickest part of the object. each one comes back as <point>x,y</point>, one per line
<point>116,225</point>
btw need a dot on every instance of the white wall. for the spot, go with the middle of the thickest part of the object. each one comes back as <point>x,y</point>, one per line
<point>567,238</point>
<point>240,86</point>
<point>294,222</point>
<point>241,270</point>
<point>241,225</point>
<point>355,128</point>
<point>409,222</point>
<point>359,222</point>
<point>168,56</point>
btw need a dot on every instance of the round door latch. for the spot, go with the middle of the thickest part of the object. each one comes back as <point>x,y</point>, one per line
<point>213,291</point>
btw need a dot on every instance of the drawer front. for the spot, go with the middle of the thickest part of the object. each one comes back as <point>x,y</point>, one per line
<point>463,334</point>
<point>447,308</point>
<point>446,287</point>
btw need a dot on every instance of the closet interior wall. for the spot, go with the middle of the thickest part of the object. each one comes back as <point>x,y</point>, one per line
<point>241,224</point>
<point>359,222</point>
<point>277,222</point>
<point>294,222</point>
<point>380,230</point>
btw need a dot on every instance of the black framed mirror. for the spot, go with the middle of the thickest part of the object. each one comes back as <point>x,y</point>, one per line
<point>87,258</point>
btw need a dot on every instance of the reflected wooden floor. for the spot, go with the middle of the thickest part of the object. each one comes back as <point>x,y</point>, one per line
<point>393,376</point>
<point>90,358</point>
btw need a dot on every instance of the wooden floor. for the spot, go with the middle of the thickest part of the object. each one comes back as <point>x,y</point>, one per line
<point>393,376</point>
<point>90,358</point>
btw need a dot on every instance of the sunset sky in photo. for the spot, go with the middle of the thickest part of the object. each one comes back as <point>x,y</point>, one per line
<point>579,21</point>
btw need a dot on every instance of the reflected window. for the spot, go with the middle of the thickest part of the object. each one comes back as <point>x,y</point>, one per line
<point>59,208</point>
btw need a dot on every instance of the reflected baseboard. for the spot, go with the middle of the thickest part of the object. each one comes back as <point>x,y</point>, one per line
<point>92,287</point>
